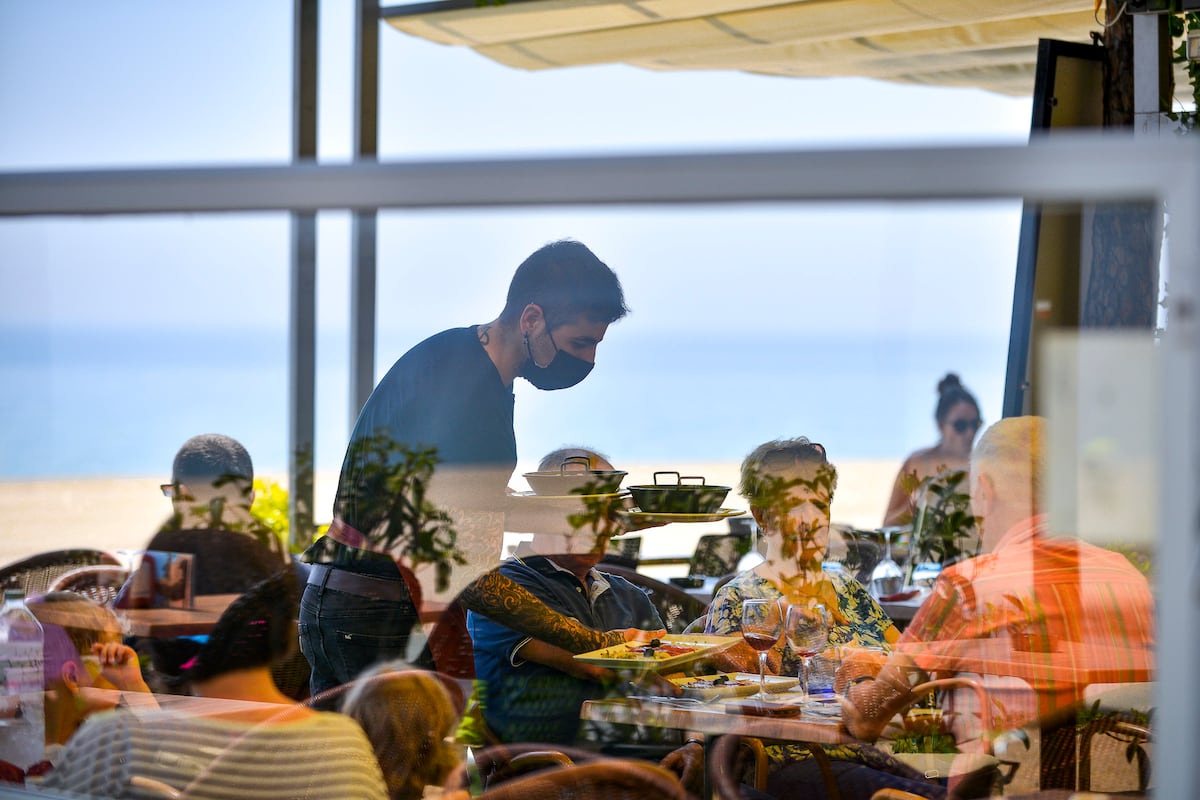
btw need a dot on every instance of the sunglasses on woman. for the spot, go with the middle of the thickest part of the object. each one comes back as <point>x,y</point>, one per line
<point>964,425</point>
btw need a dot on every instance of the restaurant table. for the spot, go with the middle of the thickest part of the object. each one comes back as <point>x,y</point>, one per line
<point>714,721</point>
<point>165,623</point>
<point>902,612</point>
<point>1058,677</point>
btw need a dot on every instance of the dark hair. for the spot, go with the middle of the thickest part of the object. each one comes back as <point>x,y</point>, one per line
<point>779,455</point>
<point>950,393</point>
<point>566,280</point>
<point>256,630</point>
<point>211,459</point>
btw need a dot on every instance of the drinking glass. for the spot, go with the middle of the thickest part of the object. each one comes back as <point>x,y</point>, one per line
<point>887,578</point>
<point>807,629</point>
<point>762,625</point>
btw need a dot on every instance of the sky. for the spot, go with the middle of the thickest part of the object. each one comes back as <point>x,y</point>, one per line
<point>125,83</point>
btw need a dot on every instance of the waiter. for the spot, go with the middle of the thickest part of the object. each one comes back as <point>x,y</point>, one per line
<point>450,399</point>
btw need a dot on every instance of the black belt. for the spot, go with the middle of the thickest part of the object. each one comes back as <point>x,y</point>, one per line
<point>369,586</point>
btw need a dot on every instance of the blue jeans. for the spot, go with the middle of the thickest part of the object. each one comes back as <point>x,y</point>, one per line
<point>343,634</point>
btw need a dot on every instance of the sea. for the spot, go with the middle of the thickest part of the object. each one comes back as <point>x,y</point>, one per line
<point>78,403</point>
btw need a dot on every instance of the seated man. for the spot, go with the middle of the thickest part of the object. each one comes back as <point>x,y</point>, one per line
<point>211,489</point>
<point>533,690</point>
<point>1061,607</point>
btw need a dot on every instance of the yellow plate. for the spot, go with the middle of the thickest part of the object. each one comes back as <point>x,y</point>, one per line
<point>637,515</point>
<point>536,496</point>
<point>740,685</point>
<point>630,656</point>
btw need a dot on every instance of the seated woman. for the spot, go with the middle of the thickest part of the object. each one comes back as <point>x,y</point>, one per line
<point>789,485</point>
<point>409,718</point>
<point>262,746</point>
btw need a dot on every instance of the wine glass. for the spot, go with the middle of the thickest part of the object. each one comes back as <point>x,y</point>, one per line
<point>807,629</point>
<point>887,578</point>
<point>762,625</point>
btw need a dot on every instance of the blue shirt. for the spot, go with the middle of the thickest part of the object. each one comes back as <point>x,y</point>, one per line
<point>444,393</point>
<point>527,702</point>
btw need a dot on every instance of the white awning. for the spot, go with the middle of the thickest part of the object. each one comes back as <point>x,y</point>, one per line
<point>989,44</point>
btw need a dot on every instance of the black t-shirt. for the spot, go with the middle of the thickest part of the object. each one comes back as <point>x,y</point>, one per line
<point>444,393</point>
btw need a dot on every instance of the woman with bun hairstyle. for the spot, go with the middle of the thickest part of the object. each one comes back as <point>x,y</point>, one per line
<point>958,420</point>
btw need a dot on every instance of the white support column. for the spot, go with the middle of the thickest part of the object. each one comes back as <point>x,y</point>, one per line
<point>1148,73</point>
<point>1177,566</point>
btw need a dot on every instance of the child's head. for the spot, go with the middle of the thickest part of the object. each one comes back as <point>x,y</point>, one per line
<point>409,717</point>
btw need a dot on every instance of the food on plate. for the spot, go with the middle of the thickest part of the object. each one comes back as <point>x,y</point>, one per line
<point>655,648</point>
<point>718,681</point>
<point>729,684</point>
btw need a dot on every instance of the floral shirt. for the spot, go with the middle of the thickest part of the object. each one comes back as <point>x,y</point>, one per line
<point>866,626</point>
<point>866,623</point>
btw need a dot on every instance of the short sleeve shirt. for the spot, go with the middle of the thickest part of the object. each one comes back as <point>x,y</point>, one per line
<point>529,702</point>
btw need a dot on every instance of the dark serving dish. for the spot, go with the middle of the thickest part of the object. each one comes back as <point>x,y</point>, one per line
<point>679,497</point>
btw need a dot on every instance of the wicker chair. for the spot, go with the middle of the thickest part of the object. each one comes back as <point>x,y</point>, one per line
<point>36,573</point>
<point>101,582</point>
<point>718,554</point>
<point>539,772</point>
<point>676,607</point>
<point>725,770</point>
<point>614,779</point>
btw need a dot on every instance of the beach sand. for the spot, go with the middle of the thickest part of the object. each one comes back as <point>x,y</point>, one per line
<point>123,513</point>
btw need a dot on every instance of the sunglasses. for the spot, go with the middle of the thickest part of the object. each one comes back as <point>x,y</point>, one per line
<point>964,425</point>
<point>174,491</point>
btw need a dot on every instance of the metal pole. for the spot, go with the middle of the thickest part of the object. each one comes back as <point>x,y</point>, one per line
<point>363,229</point>
<point>302,307</point>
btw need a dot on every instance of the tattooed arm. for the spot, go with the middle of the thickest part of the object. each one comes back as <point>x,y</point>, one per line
<point>511,604</point>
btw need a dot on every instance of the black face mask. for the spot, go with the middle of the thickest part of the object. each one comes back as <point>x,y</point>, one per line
<point>563,371</point>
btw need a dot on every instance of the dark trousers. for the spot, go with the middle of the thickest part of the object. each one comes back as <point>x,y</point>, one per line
<point>343,634</point>
<point>855,781</point>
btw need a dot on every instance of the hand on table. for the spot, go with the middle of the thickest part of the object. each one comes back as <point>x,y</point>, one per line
<point>742,658</point>
<point>858,663</point>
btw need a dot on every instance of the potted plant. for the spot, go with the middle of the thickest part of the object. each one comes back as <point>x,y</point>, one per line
<point>944,529</point>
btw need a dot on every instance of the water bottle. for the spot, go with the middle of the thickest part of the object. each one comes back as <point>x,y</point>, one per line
<point>22,701</point>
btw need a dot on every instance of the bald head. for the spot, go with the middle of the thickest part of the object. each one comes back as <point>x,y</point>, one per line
<point>1008,467</point>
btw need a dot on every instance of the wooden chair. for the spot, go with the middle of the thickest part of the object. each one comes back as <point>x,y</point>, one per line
<point>613,779</point>
<point>726,766</point>
<point>541,772</point>
<point>101,582</point>
<point>36,573</point>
